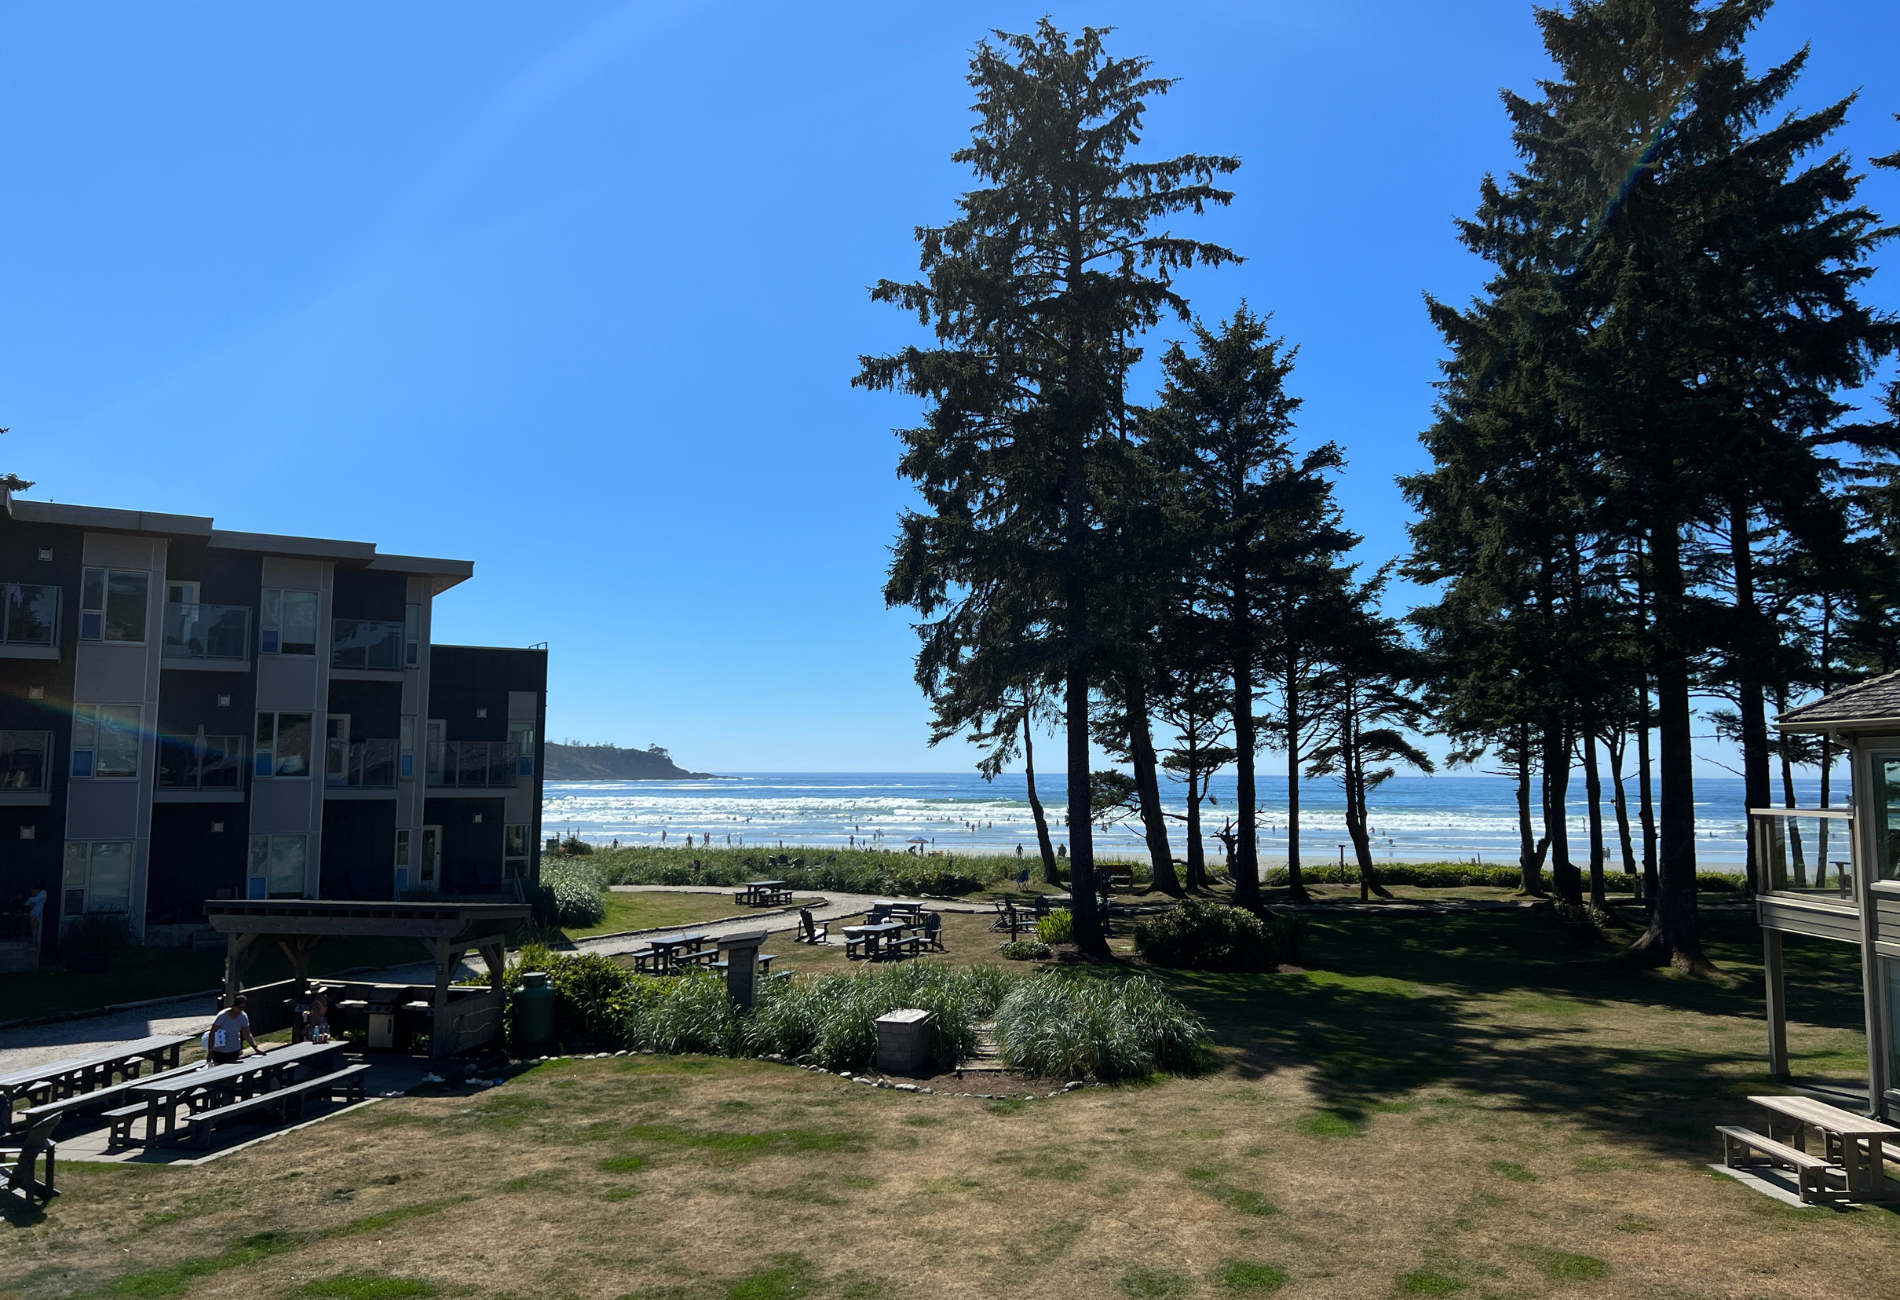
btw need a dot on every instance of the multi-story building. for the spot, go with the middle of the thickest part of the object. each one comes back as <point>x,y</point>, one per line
<point>188,713</point>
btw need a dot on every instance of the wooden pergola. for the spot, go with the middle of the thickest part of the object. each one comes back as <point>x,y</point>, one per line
<point>448,930</point>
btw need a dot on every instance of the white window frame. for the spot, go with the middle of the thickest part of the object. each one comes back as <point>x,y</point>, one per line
<point>87,719</point>
<point>514,866</point>
<point>264,752</point>
<point>270,621</point>
<point>93,625</point>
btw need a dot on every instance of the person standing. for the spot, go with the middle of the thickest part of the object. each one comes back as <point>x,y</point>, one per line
<point>229,1032</point>
<point>36,916</point>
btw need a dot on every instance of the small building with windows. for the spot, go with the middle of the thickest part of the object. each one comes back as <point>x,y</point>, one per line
<point>189,713</point>
<point>1834,873</point>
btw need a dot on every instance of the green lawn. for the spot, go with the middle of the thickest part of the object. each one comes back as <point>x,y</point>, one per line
<point>1440,1105</point>
<point>651,911</point>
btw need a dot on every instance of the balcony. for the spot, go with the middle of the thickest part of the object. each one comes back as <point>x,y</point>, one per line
<point>30,614</point>
<point>359,764</point>
<point>465,764</point>
<point>200,763</point>
<point>366,643</point>
<point>26,760</point>
<point>208,633</point>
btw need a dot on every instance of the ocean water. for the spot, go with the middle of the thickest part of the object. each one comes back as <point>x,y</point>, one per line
<point>1415,818</point>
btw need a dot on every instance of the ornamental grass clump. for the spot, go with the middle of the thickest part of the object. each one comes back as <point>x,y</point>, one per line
<point>1066,1027</point>
<point>571,894</point>
<point>832,1021</point>
<point>1198,935</point>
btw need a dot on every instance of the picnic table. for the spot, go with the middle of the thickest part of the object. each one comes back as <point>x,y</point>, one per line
<point>883,938</point>
<point>1842,1136</point>
<point>669,956</point>
<point>763,893</point>
<point>96,1069</point>
<point>209,1087</point>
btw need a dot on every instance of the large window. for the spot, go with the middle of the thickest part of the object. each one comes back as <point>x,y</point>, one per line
<point>283,744</point>
<point>287,623</point>
<point>1886,812</point>
<point>98,877</point>
<point>106,740</point>
<point>521,738</point>
<point>112,604</point>
<point>277,865</point>
<point>412,636</point>
<point>30,614</point>
<point>514,852</point>
<point>200,762</point>
<point>25,760</point>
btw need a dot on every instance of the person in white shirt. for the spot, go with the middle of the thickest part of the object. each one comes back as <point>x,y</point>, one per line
<point>36,915</point>
<point>229,1032</point>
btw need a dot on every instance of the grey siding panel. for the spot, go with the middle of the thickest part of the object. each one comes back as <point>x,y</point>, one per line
<point>1823,922</point>
<point>109,674</point>
<point>287,682</point>
<point>1887,918</point>
<point>102,810</point>
<point>281,806</point>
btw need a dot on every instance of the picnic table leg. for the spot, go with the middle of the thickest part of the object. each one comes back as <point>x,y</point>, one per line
<point>1850,1162</point>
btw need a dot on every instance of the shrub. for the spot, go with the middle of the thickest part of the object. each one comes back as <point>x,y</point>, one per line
<point>595,1000</point>
<point>833,1020</point>
<point>576,847</point>
<point>1070,1027</point>
<point>693,1014</point>
<point>1198,935</point>
<point>854,871</point>
<point>1456,875</point>
<point>1057,927</point>
<point>571,894</point>
<point>1025,950</point>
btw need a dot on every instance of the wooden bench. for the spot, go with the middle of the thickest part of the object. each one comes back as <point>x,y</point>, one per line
<point>82,1102</point>
<point>349,1080</point>
<point>37,1141</point>
<point>1810,1171</point>
<point>121,1120</point>
<point>1121,880</point>
<point>857,945</point>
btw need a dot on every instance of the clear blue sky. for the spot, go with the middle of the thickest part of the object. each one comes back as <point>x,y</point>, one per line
<point>576,291</point>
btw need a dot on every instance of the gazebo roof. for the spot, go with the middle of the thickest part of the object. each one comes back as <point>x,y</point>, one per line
<point>1875,701</point>
<point>309,916</point>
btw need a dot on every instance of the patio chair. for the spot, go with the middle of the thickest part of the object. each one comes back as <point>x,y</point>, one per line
<point>39,1138</point>
<point>809,930</point>
<point>933,931</point>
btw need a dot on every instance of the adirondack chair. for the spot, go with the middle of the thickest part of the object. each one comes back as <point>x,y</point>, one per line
<point>809,930</point>
<point>933,931</point>
<point>39,1138</point>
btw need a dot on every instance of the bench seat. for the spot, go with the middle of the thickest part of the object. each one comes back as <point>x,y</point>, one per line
<point>1811,1171</point>
<point>348,1080</point>
<point>122,1120</point>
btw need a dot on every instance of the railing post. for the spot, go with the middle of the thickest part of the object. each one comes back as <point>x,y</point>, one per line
<point>1775,990</point>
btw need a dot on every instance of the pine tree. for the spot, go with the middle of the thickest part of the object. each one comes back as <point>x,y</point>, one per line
<point>1054,263</point>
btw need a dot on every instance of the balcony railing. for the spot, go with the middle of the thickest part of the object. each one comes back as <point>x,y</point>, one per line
<point>30,614</point>
<point>26,761</point>
<point>1805,851</point>
<point>484,763</point>
<point>200,763</point>
<point>365,643</point>
<point>360,764</point>
<point>214,632</point>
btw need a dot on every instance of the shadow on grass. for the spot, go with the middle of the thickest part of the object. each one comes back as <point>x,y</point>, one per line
<point>1495,1002</point>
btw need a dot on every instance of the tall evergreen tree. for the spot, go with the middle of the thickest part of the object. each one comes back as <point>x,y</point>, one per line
<point>1053,264</point>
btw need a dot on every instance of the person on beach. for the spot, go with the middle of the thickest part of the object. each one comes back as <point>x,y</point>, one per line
<point>229,1032</point>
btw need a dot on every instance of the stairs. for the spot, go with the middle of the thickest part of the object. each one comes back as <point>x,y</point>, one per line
<point>985,1060</point>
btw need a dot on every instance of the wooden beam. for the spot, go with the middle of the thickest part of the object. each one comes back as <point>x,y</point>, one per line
<point>240,950</point>
<point>1777,999</point>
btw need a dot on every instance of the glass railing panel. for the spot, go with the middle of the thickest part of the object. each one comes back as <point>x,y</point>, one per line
<point>25,758</point>
<point>207,763</point>
<point>207,631</point>
<point>29,614</point>
<point>177,763</point>
<point>221,763</point>
<point>1805,851</point>
<point>365,643</point>
<point>360,764</point>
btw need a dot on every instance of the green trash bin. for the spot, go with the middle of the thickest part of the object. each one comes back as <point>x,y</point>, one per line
<point>534,1010</point>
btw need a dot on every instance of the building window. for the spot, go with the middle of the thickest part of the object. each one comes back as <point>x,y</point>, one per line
<point>287,624</point>
<point>98,877</point>
<point>402,860</point>
<point>412,636</point>
<point>200,763</point>
<point>26,760</point>
<point>106,740</point>
<point>514,852</point>
<point>112,604</point>
<point>30,615</point>
<point>521,738</point>
<point>283,744</point>
<point>406,746</point>
<point>277,866</point>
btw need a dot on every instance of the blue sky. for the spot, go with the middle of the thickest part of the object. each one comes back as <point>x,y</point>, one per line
<point>576,291</point>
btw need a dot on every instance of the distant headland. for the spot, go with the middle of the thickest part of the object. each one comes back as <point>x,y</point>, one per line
<point>571,762</point>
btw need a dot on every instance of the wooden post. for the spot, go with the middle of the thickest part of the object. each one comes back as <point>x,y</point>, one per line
<point>446,954</point>
<point>1777,999</point>
<point>240,950</point>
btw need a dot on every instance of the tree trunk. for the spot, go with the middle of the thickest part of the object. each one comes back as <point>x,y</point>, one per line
<point>1619,748</point>
<point>1196,855</point>
<point>1564,875</point>
<point>1593,788</point>
<point>1750,652</point>
<point>1148,787</point>
<point>1356,812</point>
<point>1050,876</point>
<point>1089,931</point>
<point>1797,860</point>
<point>1674,936</point>
<point>1246,868</point>
<point>1530,858</point>
<point>1296,887</point>
<point>1644,797</point>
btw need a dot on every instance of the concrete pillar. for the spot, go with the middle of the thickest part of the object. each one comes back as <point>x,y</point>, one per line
<point>741,954</point>
<point>903,1041</point>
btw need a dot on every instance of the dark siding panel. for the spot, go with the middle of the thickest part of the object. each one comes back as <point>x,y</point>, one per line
<point>360,594</point>
<point>359,848</point>
<point>188,700</point>
<point>463,679</point>
<point>471,851</point>
<point>190,862</point>
<point>375,708</point>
